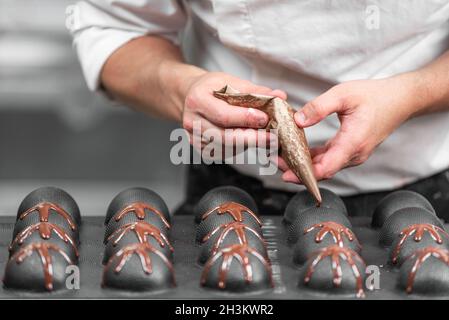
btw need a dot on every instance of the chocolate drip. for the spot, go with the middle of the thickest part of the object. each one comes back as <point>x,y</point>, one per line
<point>45,230</point>
<point>240,252</point>
<point>138,208</point>
<point>335,229</point>
<point>238,228</point>
<point>43,250</point>
<point>235,210</point>
<point>421,257</point>
<point>142,230</point>
<point>336,253</point>
<point>43,209</point>
<point>418,231</point>
<point>141,250</point>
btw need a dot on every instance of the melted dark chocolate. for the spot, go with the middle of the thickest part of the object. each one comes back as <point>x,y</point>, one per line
<point>335,229</point>
<point>141,250</point>
<point>45,230</point>
<point>43,250</point>
<point>142,230</point>
<point>43,209</point>
<point>235,210</point>
<point>418,231</point>
<point>240,252</point>
<point>138,208</point>
<point>238,228</point>
<point>421,257</point>
<point>336,253</point>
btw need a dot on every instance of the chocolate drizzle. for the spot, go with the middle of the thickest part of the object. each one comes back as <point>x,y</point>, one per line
<point>336,253</point>
<point>43,250</point>
<point>142,230</point>
<point>238,228</point>
<point>418,231</point>
<point>45,230</point>
<point>336,230</point>
<point>43,209</point>
<point>421,257</point>
<point>142,251</point>
<point>234,209</point>
<point>241,253</point>
<point>138,208</point>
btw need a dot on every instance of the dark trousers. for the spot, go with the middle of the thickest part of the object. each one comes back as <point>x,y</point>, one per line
<point>201,178</point>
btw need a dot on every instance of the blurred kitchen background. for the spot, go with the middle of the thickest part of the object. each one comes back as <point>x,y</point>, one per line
<point>53,131</point>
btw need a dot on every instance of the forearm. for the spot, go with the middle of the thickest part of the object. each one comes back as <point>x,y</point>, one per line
<point>430,87</point>
<point>149,75</point>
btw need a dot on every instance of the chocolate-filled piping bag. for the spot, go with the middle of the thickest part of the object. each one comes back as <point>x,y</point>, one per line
<point>292,139</point>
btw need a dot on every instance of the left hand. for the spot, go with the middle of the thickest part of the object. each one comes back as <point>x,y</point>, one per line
<point>368,110</point>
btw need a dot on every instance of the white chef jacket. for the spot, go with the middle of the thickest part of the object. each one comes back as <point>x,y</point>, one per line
<point>303,47</point>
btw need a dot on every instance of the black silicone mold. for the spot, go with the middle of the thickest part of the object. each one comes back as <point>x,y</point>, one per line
<point>51,195</point>
<point>336,270</point>
<point>139,267</point>
<point>237,268</point>
<point>314,216</point>
<point>45,241</point>
<point>57,237</point>
<point>416,237</point>
<point>229,234</point>
<point>39,266</point>
<point>403,218</point>
<point>55,222</point>
<point>426,272</point>
<point>304,201</point>
<point>135,232</point>
<point>220,195</point>
<point>322,236</point>
<point>223,216</point>
<point>396,201</point>
<point>137,195</point>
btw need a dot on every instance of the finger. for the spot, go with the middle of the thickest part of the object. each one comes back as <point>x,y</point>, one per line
<point>338,155</point>
<point>249,87</point>
<point>198,146</point>
<point>226,116</point>
<point>279,93</point>
<point>318,109</point>
<point>206,132</point>
<point>289,176</point>
<point>279,162</point>
<point>314,152</point>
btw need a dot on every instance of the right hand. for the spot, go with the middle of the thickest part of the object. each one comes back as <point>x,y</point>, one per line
<point>200,105</point>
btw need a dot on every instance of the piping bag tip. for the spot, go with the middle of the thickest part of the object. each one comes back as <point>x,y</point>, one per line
<point>315,192</point>
<point>318,200</point>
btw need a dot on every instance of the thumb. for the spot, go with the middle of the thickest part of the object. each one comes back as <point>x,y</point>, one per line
<point>318,109</point>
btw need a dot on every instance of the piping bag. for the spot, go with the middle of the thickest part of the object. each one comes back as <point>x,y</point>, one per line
<point>292,139</point>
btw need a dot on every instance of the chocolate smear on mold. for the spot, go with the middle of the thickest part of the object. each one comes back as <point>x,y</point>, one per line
<point>337,254</point>
<point>241,253</point>
<point>234,209</point>
<point>417,231</point>
<point>138,208</point>
<point>45,230</point>
<point>43,250</point>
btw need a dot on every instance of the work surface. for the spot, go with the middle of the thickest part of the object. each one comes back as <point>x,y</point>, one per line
<point>188,272</point>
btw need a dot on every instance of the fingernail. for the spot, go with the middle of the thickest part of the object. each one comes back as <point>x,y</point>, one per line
<point>301,117</point>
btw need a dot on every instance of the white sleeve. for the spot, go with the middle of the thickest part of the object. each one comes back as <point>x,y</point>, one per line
<point>100,27</point>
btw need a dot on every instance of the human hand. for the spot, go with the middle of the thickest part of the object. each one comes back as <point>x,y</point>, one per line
<point>368,110</point>
<point>212,113</point>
